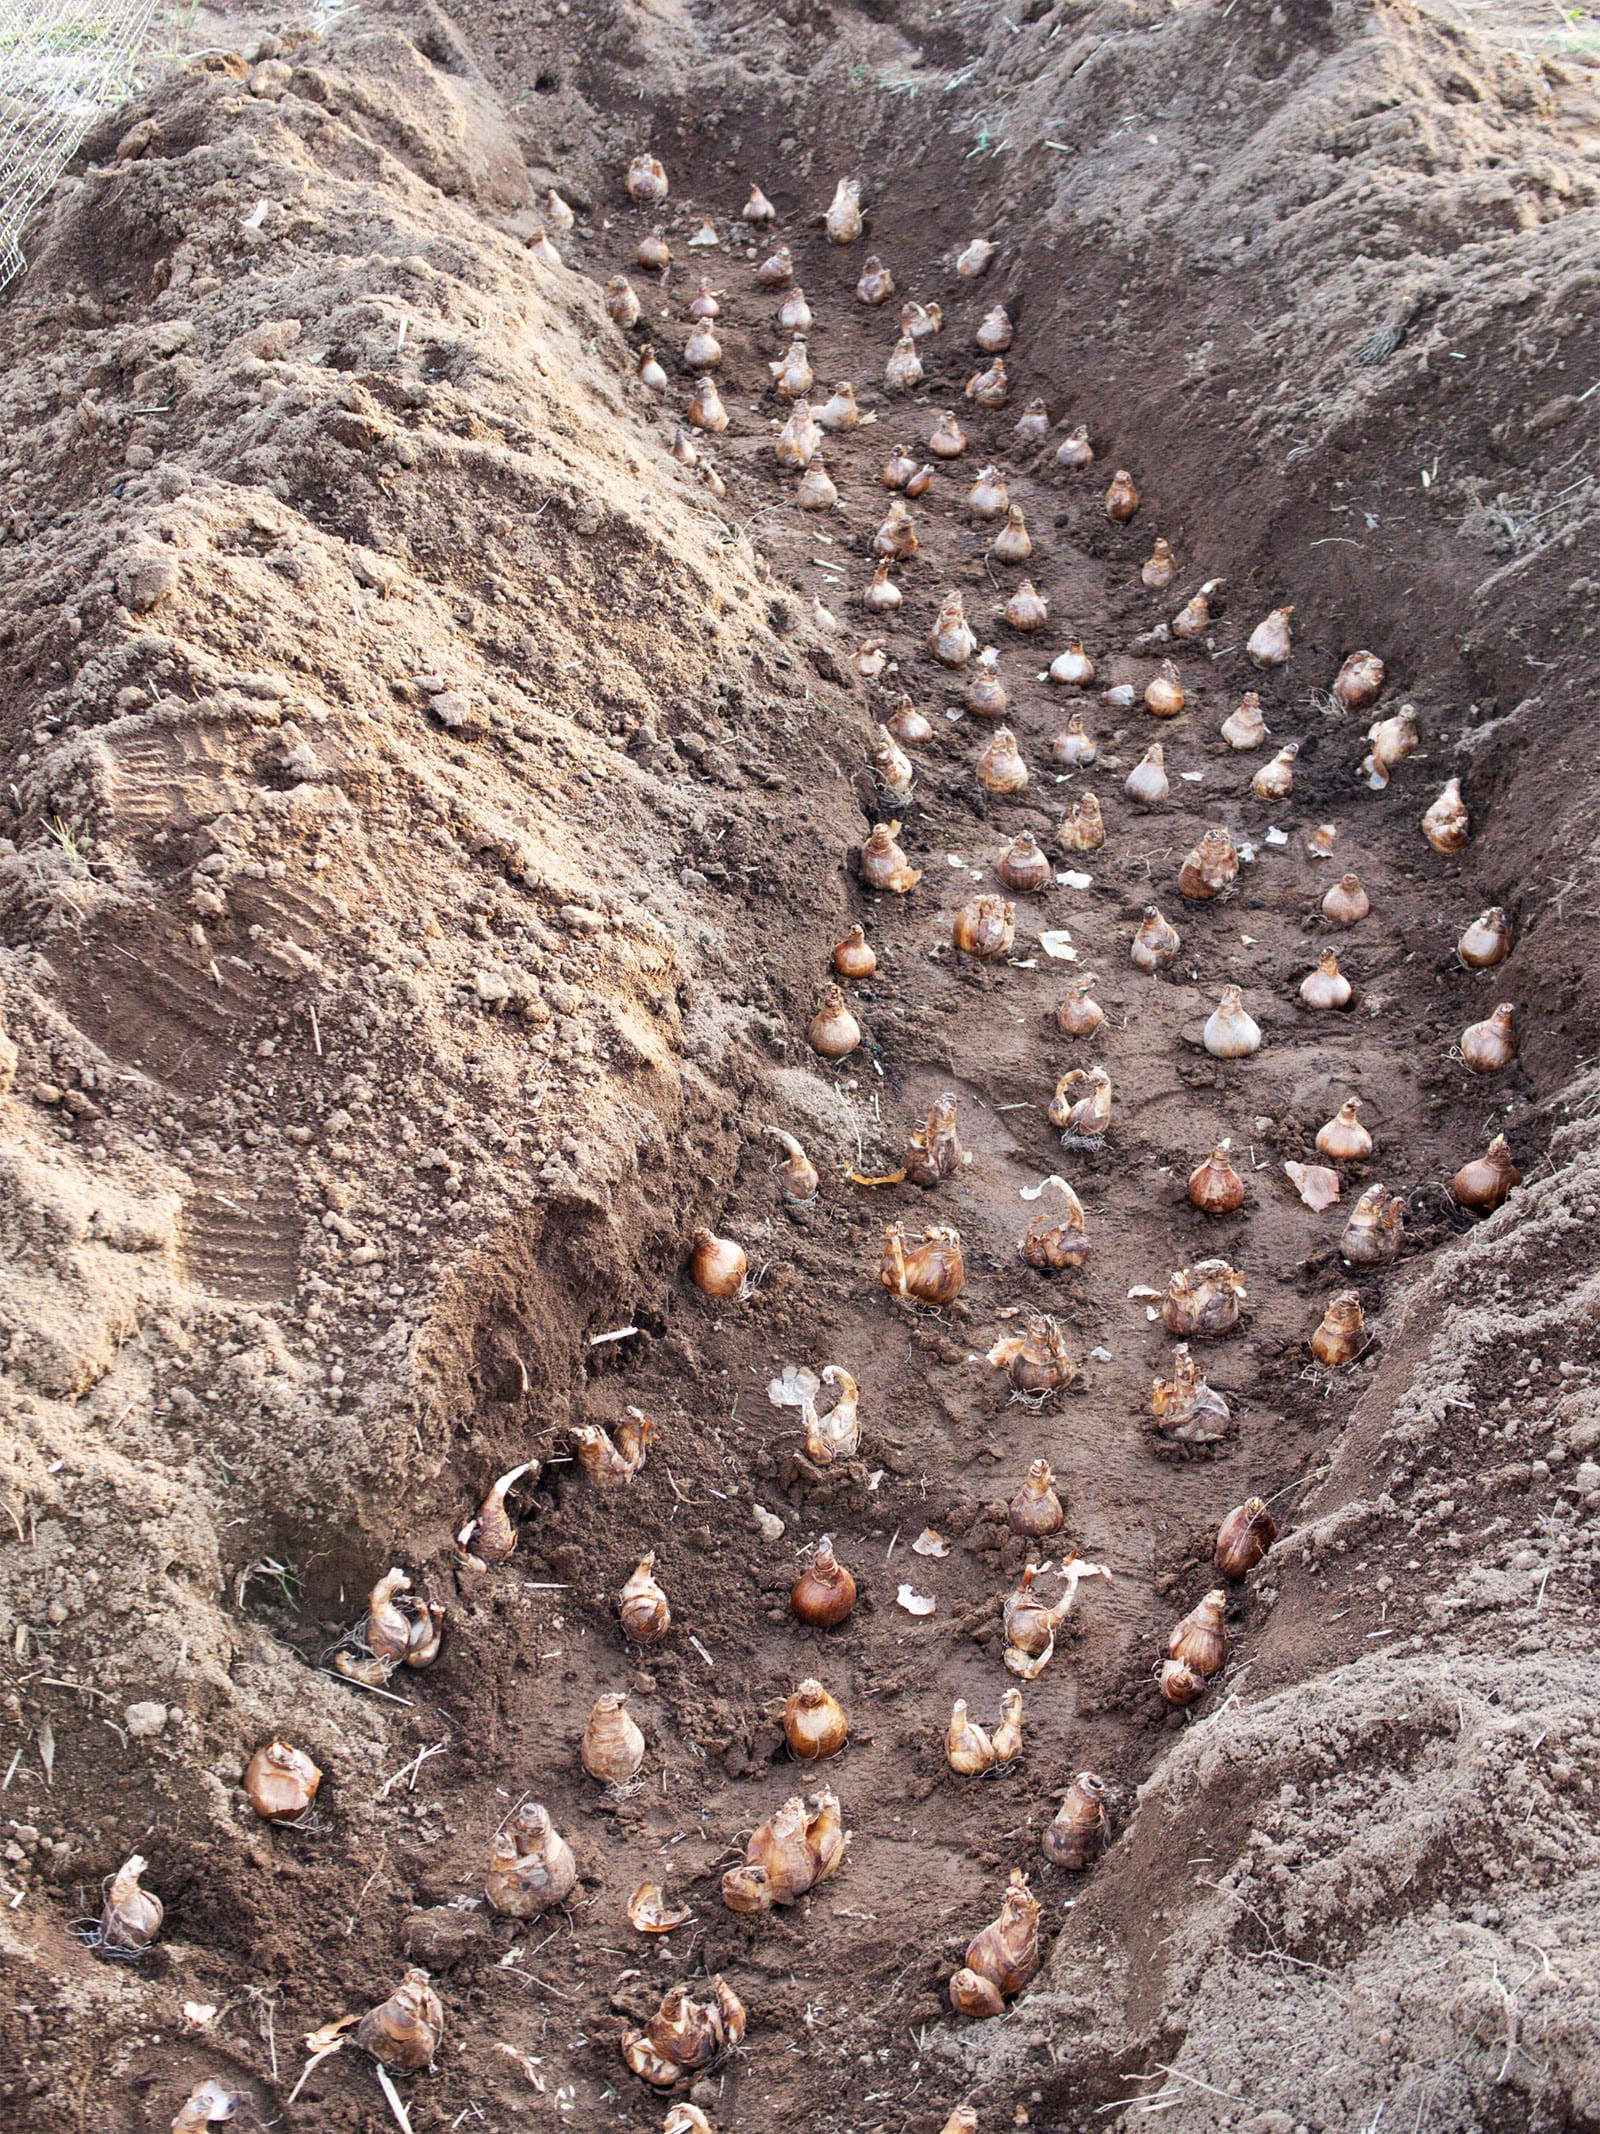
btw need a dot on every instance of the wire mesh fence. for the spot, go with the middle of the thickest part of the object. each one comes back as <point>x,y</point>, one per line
<point>62,62</point>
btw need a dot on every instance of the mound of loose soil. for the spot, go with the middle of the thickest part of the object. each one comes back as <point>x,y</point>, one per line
<point>429,810</point>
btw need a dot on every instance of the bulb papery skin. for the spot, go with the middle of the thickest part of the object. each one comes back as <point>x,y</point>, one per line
<point>281,1782</point>
<point>1000,768</point>
<point>843,221</point>
<point>1359,681</point>
<point>990,388</point>
<point>1201,1639</point>
<point>1194,618</point>
<point>777,270</point>
<point>1160,568</point>
<point>1275,779</point>
<point>1072,748</point>
<point>1490,1046</point>
<point>1392,740</point>
<point>1055,1241</point>
<point>647,181</point>
<point>1082,1828</point>
<point>1487,941</point>
<point>1210,867</point>
<point>1027,610</point>
<point>816,491</point>
<point>931,1272</point>
<point>1155,943</point>
<point>983,928</point>
<point>973,260</point>
<point>1122,497</point>
<point>1376,1229</point>
<point>1230,1032</point>
<point>1083,828</point>
<point>920,320</point>
<point>1203,1301</point>
<point>995,334</point>
<point>612,1747</point>
<point>1164,693</point>
<point>986,694</point>
<point>1003,1958</point>
<point>1186,1409</point>
<point>1244,1538</point>
<point>1339,1337</point>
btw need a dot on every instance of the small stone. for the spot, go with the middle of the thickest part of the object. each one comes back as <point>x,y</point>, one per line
<point>270,79</point>
<point>145,1719</point>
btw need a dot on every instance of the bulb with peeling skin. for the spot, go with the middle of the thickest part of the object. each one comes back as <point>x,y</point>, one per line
<point>896,536</point>
<point>931,1272</point>
<point>1081,1105</point>
<point>839,411</point>
<point>1359,681</point>
<point>1073,748</point>
<point>792,375</point>
<point>816,491</point>
<point>985,693</point>
<point>1376,1229</point>
<point>1027,610</point>
<point>995,333</point>
<point>642,1606</point>
<point>1003,1958</point>
<point>935,1151</point>
<point>1082,1828</point>
<point>1203,1301</point>
<point>1013,544</point>
<point>1201,1639</point>
<point>1186,1409</point>
<point>987,498</point>
<point>884,864</point>
<point>990,388</point>
<point>1275,779</point>
<point>1155,943</point>
<point>1392,739</point>
<point>842,221</point>
<point>1054,1241</point>
<point>903,369</point>
<point>952,641</point>
<point>1160,568</point>
<point>1083,827</point>
<point>967,1748</point>
<point>1244,1538</point>
<point>404,2031</point>
<point>1075,453</point>
<point>947,439</point>
<point>280,1782</point>
<point>531,1868</point>
<point>777,270</point>
<point>1209,867</point>
<point>799,441</point>
<point>1073,668</point>
<point>1244,727</point>
<point>876,285</point>
<point>1340,1334</point>
<point>797,1174</point>
<point>920,320</point>
<point>1446,825</point>
<point>707,412</point>
<point>622,301</point>
<point>647,181</point>
<point>1164,694</point>
<point>612,1747</point>
<point>1270,642</point>
<point>1122,498</point>
<point>1023,867</point>
<point>686,2035</point>
<point>1195,617</point>
<point>1033,424</point>
<point>131,1916</point>
<point>208,2104</point>
<point>814,1723</point>
<point>609,1464</point>
<point>1000,768</point>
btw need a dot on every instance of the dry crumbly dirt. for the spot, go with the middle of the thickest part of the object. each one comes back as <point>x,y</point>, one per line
<point>426,816</point>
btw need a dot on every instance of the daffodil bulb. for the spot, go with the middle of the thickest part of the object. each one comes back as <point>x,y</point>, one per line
<point>1244,727</point>
<point>895,770</point>
<point>706,410</point>
<point>1202,1301</point>
<point>1081,1106</point>
<point>794,313</point>
<point>985,692</point>
<point>1083,827</point>
<point>1269,643</point>
<point>1491,1045</point>
<point>1447,825</point>
<point>1075,452</point>
<point>935,1150</point>
<point>904,367</point>
<point>776,271</point>
<point>1339,1337</point>
<point>839,410</point>
<point>800,439</point>
<point>1146,784</point>
<point>1122,497</point>
<point>1002,1959</point>
<point>792,375</point>
<point>1186,1409</point>
<point>654,253</point>
<point>1024,866</point>
<point>1033,424</point>
<point>797,1174</point>
<point>814,1723</point>
<point>1343,1137</point>
<point>1079,1014</point>
<point>947,439</point>
<point>1391,740</point>
<point>910,725</point>
<point>995,333</point>
<point>1154,942</point>
<point>952,640</point>
<point>557,212</point>
<point>932,1272</point>
<point>1160,567</point>
<point>1326,986</point>
<point>1073,667</point>
<point>1039,1360</point>
<point>622,301</point>
<point>540,246</point>
<point>704,305</point>
<point>1376,1229</point>
<point>1163,693</point>
<point>684,449</point>
<point>882,596</point>
<point>1483,1184</point>
<point>898,469</point>
<point>612,1747</point>
<point>717,1265</point>
<point>972,261</point>
<point>758,208</point>
<point>1194,618</point>
<point>833,1031</point>
<point>921,482</point>
<point>1000,768</point>
<point>896,536</point>
<point>1012,544</point>
<point>1359,681</point>
<point>984,928</point>
<point>1072,748</point>
<point>987,498</point>
<point>1346,903</point>
<point>920,320</point>
<point>702,350</point>
<point>1027,611</point>
<point>990,388</point>
<point>647,181</point>
<point>1057,1238</point>
<point>642,1606</point>
<point>1230,1033</point>
<point>1211,865</point>
<point>1275,779</point>
<point>1215,1187</point>
<point>842,220</point>
<point>816,491</point>
<point>708,474</point>
<point>876,285</point>
<point>650,372</point>
<point>1487,941</point>
<point>883,863</point>
<point>967,1748</point>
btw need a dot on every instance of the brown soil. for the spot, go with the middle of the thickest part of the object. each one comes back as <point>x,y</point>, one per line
<point>428,815</point>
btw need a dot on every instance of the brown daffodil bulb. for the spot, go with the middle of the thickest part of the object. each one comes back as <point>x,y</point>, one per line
<point>531,1868</point>
<point>1202,1301</point>
<point>1215,1187</point>
<point>1484,1183</point>
<point>896,536</point>
<point>815,490</point>
<point>920,320</point>
<point>1073,668</point>
<point>758,208</point>
<point>902,371</point>
<point>1180,1683</point>
<point>1491,1045</point>
<point>842,221</point>
<point>935,1151</point>
<point>612,1747</point>
<point>825,1592</point>
<point>876,285</point>
<point>1447,825</point>
<point>967,1748</point>
<point>972,261</point>
<point>1195,617</point>
<point>1122,498</point>
<point>642,1606</point>
<point>647,181</point>
<point>404,2031</point>
<point>1201,1639</point>
<point>1081,1105</point>
<point>686,2035</point>
<point>1270,642</point>
<point>1023,866</point>
<point>1000,768</point>
<point>1075,453</point>
<point>1036,1510</point>
<point>986,694</point>
<point>995,335</point>
<point>833,1032</point>
<point>1083,827</point>
<point>792,375</point>
<point>705,304</point>
<point>776,271</point>
<point>952,641</point>
<point>1073,748</point>
<point>1082,1827</point>
<point>898,469</point>
<point>1079,1014</point>
<point>990,388</point>
<point>1163,693</point>
<point>609,1463</point>
<point>622,301</point>
<point>987,498</point>
<point>1487,941</point>
<point>1033,424</point>
<point>1244,727</point>
<point>1243,1538</point>
<point>1147,785</point>
<point>909,725</point>
<point>650,372</point>
<point>1275,779</point>
<point>716,1264</point>
<point>1003,1958</point>
<point>1013,543</point>
<point>983,928</point>
<point>921,482</point>
<point>1037,1361</point>
<point>281,1782</point>
<point>931,1272</point>
<point>1359,682</point>
<point>702,351</point>
<point>1155,942</point>
<point>1027,610</point>
<point>1392,740</point>
<point>1210,867</point>
<point>654,254</point>
<point>814,1723</point>
<point>1339,1336</point>
<point>799,441</point>
<point>492,1535</point>
<point>1160,567</point>
<point>131,1917</point>
<point>854,957</point>
<point>839,411</point>
<point>787,1855</point>
<point>1346,903</point>
<point>1343,1137</point>
<point>884,865</point>
<point>947,439</point>
<point>835,1433</point>
<point>1053,1242</point>
<point>1376,1229</point>
<point>1326,986</point>
<point>1186,1409</point>
<point>882,596</point>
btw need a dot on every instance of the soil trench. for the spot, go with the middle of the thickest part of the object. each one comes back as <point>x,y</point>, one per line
<point>701,845</point>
